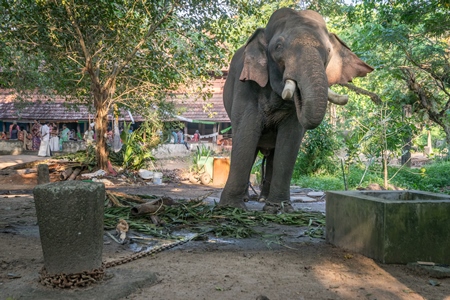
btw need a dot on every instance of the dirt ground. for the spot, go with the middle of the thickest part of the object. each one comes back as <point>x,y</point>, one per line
<point>283,264</point>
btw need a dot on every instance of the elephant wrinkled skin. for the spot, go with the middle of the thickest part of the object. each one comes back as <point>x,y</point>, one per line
<point>276,89</point>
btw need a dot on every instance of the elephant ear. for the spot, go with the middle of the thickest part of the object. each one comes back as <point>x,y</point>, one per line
<point>255,59</point>
<point>344,65</point>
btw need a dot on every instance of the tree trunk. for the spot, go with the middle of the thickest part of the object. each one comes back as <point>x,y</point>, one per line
<point>101,123</point>
<point>101,100</point>
<point>406,156</point>
<point>447,138</point>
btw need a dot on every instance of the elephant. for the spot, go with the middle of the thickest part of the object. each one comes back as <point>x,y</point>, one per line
<point>277,88</point>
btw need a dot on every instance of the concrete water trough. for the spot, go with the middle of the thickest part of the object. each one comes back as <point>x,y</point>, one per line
<point>390,226</point>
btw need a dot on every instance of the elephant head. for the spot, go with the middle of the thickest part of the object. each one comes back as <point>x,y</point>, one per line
<point>300,59</point>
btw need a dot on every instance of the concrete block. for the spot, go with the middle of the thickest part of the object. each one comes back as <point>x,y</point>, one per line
<point>11,147</point>
<point>70,219</point>
<point>43,174</point>
<point>73,146</point>
<point>390,226</point>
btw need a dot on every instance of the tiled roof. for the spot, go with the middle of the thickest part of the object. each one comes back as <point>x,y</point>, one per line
<point>206,110</point>
<point>60,111</point>
<point>39,109</point>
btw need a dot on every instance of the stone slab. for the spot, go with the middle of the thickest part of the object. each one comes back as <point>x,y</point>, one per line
<point>316,194</point>
<point>390,226</point>
<point>296,198</point>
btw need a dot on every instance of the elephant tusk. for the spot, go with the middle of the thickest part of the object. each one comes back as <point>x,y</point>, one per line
<point>289,89</point>
<point>336,98</point>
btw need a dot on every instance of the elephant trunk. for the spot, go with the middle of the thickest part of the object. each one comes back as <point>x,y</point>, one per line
<point>311,102</point>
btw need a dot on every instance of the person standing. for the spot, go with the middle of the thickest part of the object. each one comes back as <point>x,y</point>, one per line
<point>89,136</point>
<point>14,133</point>
<point>11,127</point>
<point>196,136</point>
<point>44,149</point>
<point>26,139</point>
<point>54,139</point>
<point>181,139</point>
<point>64,136</point>
<point>36,135</point>
<point>21,136</point>
<point>175,137</point>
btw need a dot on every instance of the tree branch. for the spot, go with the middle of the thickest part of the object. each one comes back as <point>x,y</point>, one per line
<point>78,33</point>
<point>374,97</point>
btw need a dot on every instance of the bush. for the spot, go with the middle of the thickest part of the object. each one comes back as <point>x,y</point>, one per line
<point>317,155</point>
<point>434,177</point>
<point>322,183</point>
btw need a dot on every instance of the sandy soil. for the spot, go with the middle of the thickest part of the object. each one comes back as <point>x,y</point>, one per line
<point>281,265</point>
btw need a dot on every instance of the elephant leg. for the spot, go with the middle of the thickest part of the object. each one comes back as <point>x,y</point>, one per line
<point>266,180</point>
<point>288,141</point>
<point>245,141</point>
<point>247,196</point>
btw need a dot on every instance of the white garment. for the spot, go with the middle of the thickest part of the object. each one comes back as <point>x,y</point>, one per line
<point>54,143</point>
<point>44,149</point>
<point>45,133</point>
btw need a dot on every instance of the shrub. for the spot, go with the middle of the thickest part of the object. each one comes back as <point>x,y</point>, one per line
<point>317,155</point>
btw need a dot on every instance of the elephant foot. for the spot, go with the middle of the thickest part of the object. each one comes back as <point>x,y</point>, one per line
<point>239,204</point>
<point>275,208</point>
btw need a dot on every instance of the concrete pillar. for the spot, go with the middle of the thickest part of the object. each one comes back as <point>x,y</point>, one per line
<point>70,219</point>
<point>43,174</point>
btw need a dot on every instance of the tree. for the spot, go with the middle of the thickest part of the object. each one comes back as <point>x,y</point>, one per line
<point>103,53</point>
<point>410,45</point>
<point>250,15</point>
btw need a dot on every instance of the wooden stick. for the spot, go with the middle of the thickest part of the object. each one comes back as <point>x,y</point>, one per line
<point>66,173</point>
<point>74,174</point>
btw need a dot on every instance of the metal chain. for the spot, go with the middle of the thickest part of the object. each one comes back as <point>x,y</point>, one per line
<point>87,278</point>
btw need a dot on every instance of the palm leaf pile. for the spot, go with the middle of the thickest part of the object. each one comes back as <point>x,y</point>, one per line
<point>199,216</point>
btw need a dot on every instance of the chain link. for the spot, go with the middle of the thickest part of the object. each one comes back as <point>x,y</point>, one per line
<point>87,278</point>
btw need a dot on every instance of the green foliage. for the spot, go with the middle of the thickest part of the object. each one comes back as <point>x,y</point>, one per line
<point>360,175</point>
<point>135,151</point>
<point>85,157</point>
<point>407,42</point>
<point>320,182</point>
<point>437,134</point>
<point>151,47</point>
<point>317,153</point>
<point>202,151</point>
<point>256,168</point>
<point>379,135</point>
<point>433,177</point>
